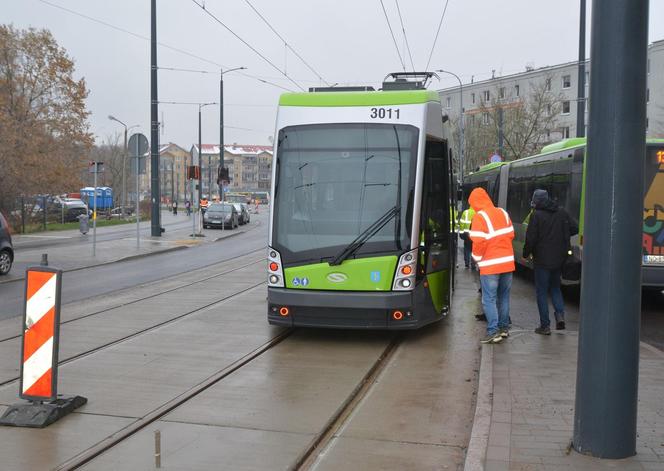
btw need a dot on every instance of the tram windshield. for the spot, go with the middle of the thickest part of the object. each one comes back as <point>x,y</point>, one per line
<point>653,207</point>
<point>334,181</point>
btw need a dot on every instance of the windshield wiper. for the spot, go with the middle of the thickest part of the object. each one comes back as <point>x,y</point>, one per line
<point>367,234</point>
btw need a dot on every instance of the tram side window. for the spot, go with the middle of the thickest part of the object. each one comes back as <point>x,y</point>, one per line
<point>562,178</point>
<point>520,188</point>
<point>434,220</point>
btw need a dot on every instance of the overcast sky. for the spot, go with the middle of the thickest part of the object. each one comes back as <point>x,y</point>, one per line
<point>345,41</point>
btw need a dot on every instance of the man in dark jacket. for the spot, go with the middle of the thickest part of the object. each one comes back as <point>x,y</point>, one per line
<point>548,241</point>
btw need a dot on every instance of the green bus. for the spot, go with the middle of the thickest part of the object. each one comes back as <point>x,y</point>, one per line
<point>560,170</point>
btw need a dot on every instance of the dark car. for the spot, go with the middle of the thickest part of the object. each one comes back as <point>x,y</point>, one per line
<point>6,248</point>
<point>243,213</point>
<point>221,214</point>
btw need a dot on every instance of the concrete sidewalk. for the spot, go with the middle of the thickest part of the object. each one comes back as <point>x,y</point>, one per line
<point>525,413</point>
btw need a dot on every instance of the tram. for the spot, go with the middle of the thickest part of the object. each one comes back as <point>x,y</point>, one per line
<point>359,233</point>
<point>560,170</point>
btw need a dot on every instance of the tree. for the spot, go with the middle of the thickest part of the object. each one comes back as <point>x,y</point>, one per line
<point>111,152</point>
<point>528,124</point>
<point>44,135</point>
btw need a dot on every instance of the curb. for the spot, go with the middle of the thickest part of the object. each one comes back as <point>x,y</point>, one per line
<point>479,435</point>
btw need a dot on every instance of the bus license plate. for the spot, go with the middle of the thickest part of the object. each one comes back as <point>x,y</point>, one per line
<point>653,259</point>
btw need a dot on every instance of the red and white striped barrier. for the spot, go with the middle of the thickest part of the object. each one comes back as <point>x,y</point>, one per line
<point>39,354</point>
<point>40,334</point>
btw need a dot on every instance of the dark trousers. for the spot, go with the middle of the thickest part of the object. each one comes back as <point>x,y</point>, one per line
<point>548,281</point>
<point>467,253</point>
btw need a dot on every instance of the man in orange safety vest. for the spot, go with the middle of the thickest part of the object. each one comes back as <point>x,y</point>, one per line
<point>492,232</point>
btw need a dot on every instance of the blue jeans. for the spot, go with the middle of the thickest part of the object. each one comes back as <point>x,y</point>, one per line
<point>548,281</point>
<point>496,300</point>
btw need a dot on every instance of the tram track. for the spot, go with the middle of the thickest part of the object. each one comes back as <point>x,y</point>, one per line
<point>88,455</point>
<point>161,293</point>
<point>141,332</point>
<point>323,441</point>
<point>309,457</point>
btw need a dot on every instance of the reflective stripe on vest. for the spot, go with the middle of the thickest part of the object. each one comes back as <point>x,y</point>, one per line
<point>494,261</point>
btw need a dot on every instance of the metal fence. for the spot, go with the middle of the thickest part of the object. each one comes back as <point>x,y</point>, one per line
<point>36,213</point>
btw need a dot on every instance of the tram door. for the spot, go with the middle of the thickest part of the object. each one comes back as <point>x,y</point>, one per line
<point>435,256</point>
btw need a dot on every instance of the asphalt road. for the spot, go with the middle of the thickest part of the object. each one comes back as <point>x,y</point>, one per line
<point>104,279</point>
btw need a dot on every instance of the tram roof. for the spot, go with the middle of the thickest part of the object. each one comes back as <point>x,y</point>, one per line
<point>380,98</point>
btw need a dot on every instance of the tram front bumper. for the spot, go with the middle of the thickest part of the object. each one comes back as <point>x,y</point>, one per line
<point>341,309</point>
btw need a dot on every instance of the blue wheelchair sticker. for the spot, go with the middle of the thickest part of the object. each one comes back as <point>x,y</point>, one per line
<point>375,276</point>
<point>296,282</point>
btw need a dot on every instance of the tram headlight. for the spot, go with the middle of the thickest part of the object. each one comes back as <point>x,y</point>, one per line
<point>275,277</point>
<point>404,276</point>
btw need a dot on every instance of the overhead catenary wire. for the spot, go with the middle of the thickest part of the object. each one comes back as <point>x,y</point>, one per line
<point>161,44</point>
<point>286,43</point>
<point>403,30</point>
<point>393,38</point>
<point>268,61</point>
<point>435,39</point>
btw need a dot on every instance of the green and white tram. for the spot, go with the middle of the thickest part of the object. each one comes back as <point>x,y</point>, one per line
<point>560,170</point>
<point>359,221</point>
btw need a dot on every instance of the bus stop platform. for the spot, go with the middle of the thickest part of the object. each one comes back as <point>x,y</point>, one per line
<point>525,414</point>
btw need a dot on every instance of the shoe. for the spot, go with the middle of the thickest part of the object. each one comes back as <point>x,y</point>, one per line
<point>560,325</point>
<point>543,331</point>
<point>492,338</point>
<point>504,333</point>
<point>480,317</point>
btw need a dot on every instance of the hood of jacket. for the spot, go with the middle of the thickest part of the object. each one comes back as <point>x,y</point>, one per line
<point>479,199</point>
<point>541,200</point>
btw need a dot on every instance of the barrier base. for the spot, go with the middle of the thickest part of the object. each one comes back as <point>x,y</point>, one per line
<point>41,414</point>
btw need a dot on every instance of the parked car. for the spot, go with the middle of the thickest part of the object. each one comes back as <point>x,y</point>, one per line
<point>221,214</point>
<point>6,247</point>
<point>243,213</point>
<point>128,211</point>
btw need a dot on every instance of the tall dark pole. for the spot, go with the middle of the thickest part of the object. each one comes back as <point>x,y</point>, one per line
<point>155,225</point>
<point>200,151</point>
<point>581,102</point>
<point>608,360</point>
<point>500,132</point>
<point>221,131</point>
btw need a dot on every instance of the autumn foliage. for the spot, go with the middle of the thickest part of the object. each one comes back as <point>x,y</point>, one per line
<point>44,134</point>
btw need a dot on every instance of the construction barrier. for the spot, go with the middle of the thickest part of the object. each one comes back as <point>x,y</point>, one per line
<point>39,354</point>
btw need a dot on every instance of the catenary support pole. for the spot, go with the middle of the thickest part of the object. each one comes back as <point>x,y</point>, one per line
<point>155,225</point>
<point>608,359</point>
<point>581,85</point>
<point>221,133</point>
<point>500,132</point>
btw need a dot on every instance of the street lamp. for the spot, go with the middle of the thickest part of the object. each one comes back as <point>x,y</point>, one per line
<point>124,162</point>
<point>200,148</point>
<point>461,124</point>
<point>221,129</point>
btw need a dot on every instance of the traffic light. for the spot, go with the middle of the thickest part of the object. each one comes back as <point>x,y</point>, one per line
<point>193,172</point>
<point>222,175</point>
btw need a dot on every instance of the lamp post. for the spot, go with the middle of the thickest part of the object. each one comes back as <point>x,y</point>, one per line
<point>200,152</point>
<point>221,126</point>
<point>461,124</point>
<point>124,163</point>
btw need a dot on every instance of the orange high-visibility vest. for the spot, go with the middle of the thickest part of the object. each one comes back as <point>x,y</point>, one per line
<point>491,232</point>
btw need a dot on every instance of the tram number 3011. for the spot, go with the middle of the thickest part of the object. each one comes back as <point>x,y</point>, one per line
<point>382,113</point>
